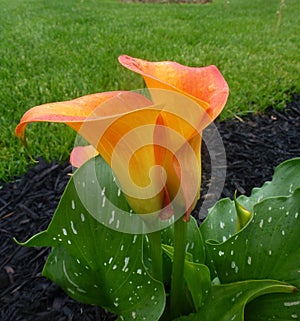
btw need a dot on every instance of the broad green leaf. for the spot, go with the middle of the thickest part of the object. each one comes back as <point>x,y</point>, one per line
<point>218,227</point>
<point>227,302</point>
<point>285,181</point>
<point>277,307</point>
<point>197,277</point>
<point>220,223</point>
<point>268,248</point>
<point>93,263</point>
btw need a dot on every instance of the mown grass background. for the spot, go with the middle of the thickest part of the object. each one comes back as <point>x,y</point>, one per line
<point>61,49</point>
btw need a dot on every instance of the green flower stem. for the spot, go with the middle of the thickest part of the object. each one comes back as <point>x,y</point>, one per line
<point>177,282</point>
<point>156,255</point>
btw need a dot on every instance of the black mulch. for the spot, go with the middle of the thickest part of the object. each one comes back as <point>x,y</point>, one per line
<point>254,146</point>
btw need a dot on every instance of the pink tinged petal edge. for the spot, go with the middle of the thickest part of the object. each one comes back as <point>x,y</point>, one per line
<point>82,154</point>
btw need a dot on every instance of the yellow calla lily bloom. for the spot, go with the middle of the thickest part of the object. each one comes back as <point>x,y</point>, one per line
<point>153,146</point>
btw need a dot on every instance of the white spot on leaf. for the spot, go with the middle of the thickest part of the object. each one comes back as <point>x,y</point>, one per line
<point>292,303</point>
<point>70,290</point>
<point>66,274</point>
<point>103,201</point>
<point>126,261</point>
<point>112,217</point>
<point>73,228</point>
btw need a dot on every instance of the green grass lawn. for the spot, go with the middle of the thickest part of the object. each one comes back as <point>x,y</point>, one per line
<point>61,49</point>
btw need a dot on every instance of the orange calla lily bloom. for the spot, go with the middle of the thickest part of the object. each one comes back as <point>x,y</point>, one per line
<point>153,146</point>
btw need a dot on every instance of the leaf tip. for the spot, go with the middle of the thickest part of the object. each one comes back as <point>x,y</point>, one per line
<point>243,215</point>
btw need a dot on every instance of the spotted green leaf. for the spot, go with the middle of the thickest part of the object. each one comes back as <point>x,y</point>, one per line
<point>273,307</point>
<point>91,262</point>
<point>227,302</point>
<point>268,248</point>
<point>221,224</point>
<point>285,181</point>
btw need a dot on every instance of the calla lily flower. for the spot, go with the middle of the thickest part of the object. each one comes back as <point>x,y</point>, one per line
<point>152,145</point>
<point>207,88</point>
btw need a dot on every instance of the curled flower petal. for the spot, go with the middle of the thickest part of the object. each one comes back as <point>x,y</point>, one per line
<point>75,111</point>
<point>119,125</point>
<point>205,85</point>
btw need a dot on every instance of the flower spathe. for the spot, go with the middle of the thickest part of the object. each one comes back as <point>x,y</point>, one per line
<point>180,86</point>
<point>205,85</point>
<point>153,146</point>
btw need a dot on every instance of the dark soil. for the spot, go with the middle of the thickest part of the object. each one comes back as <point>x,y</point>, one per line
<point>254,146</point>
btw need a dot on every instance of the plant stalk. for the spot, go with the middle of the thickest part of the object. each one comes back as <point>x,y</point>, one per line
<point>156,255</point>
<point>177,281</point>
